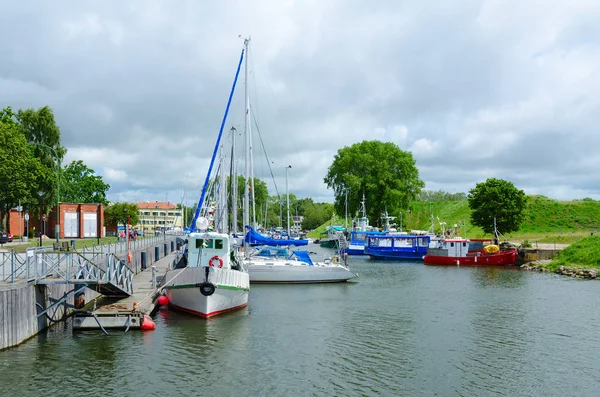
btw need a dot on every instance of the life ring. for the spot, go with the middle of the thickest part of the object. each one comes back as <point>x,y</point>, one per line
<point>211,261</point>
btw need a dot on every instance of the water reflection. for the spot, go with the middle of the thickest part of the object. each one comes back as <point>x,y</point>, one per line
<point>402,329</point>
<point>498,276</point>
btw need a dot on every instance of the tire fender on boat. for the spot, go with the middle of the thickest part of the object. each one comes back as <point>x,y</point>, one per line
<point>207,289</point>
<point>212,260</point>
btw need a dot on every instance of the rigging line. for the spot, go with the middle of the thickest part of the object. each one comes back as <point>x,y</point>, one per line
<point>262,143</point>
<point>275,102</point>
<point>251,52</point>
<point>212,161</point>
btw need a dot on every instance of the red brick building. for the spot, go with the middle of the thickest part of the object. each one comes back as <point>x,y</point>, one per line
<point>76,221</point>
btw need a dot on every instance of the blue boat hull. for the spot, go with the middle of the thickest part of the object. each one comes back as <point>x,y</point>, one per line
<point>354,251</point>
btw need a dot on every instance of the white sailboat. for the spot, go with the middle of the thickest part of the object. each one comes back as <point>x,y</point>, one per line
<point>280,270</point>
<point>297,271</point>
<point>209,280</point>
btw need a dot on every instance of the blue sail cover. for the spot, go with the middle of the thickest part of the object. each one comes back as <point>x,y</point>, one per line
<point>255,238</point>
<point>303,256</point>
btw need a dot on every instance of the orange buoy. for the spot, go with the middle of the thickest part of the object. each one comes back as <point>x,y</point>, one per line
<point>163,300</point>
<point>147,323</point>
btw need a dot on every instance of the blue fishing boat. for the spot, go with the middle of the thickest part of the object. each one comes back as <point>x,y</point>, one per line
<point>397,246</point>
<point>360,231</point>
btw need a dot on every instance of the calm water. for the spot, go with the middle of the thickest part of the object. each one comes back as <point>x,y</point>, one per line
<point>403,329</point>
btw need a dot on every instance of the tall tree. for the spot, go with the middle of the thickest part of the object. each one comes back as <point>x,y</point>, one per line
<point>499,199</point>
<point>80,184</point>
<point>386,175</point>
<point>19,169</point>
<point>42,132</point>
<point>118,213</point>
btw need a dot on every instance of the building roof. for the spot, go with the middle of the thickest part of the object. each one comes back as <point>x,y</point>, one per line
<point>146,205</point>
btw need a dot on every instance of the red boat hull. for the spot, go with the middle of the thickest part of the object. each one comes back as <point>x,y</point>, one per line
<point>501,258</point>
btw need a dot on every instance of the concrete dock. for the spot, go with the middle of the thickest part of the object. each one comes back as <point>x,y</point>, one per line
<point>29,307</point>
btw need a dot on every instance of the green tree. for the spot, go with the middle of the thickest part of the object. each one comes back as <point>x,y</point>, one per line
<point>386,175</point>
<point>7,116</point>
<point>499,199</point>
<point>79,184</point>
<point>42,132</point>
<point>261,195</point>
<point>118,213</point>
<point>440,196</point>
<point>316,214</point>
<point>19,169</point>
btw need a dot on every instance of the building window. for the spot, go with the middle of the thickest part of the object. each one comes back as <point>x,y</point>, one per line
<point>155,213</point>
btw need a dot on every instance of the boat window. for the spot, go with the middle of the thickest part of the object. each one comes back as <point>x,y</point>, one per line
<point>451,244</point>
<point>205,243</point>
<point>464,244</point>
<point>219,244</point>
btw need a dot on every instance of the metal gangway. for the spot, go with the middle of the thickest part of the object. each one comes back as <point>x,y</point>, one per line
<point>109,276</point>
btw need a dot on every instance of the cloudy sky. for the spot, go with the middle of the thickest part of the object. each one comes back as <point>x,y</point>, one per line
<point>474,89</point>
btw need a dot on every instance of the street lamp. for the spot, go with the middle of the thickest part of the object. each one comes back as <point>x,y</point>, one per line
<point>41,194</point>
<point>57,158</point>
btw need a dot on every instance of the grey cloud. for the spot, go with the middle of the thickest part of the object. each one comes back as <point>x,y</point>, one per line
<point>146,84</point>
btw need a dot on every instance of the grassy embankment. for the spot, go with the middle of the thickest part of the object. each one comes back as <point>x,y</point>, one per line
<point>584,253</point>
<point>546,221</point>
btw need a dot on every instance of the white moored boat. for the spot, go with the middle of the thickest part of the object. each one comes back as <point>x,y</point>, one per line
<point>209,282</point>
<point>291,270</point>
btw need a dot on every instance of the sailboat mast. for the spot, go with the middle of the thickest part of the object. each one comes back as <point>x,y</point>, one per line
<point>247,140</point>
<point>287,196</point>
<point>234,190</point>
<point>223,196</point>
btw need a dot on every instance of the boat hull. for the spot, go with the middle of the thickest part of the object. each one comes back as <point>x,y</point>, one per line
<point>502,258</point>
<point>231,289</point>
<point>329,243</point>
<point>289,274</point>
<point>355,249</point>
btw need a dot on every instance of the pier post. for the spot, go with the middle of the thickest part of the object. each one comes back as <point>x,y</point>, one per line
<point>143,260</point>
<point>153,277</point>
<point>156,253</point>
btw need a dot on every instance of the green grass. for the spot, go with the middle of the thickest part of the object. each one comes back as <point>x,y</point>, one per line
<point>582,253</point>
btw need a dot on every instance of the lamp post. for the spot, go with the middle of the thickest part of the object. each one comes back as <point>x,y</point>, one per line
<point>41,194</point>
<point>57,158</point>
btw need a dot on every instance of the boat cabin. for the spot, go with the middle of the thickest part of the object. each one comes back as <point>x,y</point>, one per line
<point>456,247</point>
<point>208,249</point>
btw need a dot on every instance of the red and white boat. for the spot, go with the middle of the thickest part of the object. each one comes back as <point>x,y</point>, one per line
<point>455,252</point>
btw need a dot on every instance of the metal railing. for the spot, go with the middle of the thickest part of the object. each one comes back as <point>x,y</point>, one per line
<point>112,277</point>
<point>39,262</point>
